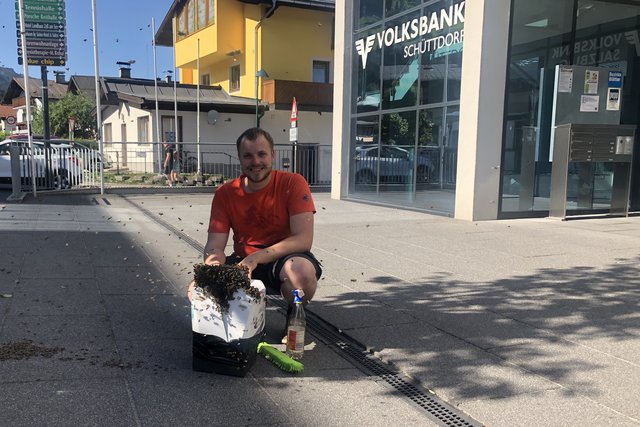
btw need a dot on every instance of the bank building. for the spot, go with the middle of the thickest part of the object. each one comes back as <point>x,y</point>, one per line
<point>488,109</point>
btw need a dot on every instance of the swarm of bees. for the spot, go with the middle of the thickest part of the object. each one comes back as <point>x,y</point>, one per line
<point>220,282</point>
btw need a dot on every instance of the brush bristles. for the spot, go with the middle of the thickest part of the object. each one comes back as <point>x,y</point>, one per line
<point>280,359</point>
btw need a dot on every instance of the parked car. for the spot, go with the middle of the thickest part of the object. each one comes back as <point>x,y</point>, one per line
<point>90,155</point>
<point>393,164</point>
<point>56,166</point>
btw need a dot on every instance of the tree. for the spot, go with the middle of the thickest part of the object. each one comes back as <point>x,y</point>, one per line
<point>77,106</point>
<point>395,129</point>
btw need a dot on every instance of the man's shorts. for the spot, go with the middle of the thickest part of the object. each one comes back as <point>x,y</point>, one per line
<point>269,273</point>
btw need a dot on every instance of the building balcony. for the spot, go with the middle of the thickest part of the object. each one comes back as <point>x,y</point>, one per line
<point>309,96</point>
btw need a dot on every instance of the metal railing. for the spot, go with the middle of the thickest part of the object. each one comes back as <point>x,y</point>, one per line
<point>53,167</point>
<point>217,162</point>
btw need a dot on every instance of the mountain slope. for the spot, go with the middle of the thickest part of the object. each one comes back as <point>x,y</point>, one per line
<point>6,74</point>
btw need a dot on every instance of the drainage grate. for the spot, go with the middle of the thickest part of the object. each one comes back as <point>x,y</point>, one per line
<point>437,410</point>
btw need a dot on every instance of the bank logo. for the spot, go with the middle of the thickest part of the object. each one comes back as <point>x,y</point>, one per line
<point>447,23</point>
<point>632,38</point>
<point>363,47</point>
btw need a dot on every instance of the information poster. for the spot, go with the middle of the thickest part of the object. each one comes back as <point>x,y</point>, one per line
<point>589,103</point>
<point>591,82</point>
<point>565,80</point>
<point>613,99</point>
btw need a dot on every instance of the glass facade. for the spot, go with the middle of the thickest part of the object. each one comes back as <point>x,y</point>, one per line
<point>570,32</point>
<point>405,102</point>
<point>405,83</point>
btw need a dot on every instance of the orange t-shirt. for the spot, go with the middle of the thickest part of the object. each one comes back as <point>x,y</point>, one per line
<point>259,219</point>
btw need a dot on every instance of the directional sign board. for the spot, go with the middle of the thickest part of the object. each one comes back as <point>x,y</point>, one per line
<point>45,32</point>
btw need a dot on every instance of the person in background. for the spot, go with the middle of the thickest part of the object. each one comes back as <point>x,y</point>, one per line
<point>175,171</point>
<point>271,214</point>
<point>169,157</point>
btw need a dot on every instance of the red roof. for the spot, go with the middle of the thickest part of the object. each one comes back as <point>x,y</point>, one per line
<point>7,110</point>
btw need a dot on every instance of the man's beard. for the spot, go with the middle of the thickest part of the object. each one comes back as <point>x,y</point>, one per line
<point>258,181</point>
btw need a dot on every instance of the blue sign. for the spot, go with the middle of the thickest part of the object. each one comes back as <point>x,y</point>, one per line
<point>615,79</point>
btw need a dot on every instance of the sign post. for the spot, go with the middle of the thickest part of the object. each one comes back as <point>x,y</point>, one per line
<point>20,24</point>
<point>11,121</point>
<point>72,126</point>
<point>293,135</point>
<point>45,32</point>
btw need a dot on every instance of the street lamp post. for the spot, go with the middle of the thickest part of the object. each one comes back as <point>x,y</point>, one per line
<point>199,171</point>
<point>259,73</point>
<point>96,69</point>
<point>155,84</point>
<point>175,90</point>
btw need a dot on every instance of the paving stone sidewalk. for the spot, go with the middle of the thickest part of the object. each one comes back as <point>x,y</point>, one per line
<point>522,322</point>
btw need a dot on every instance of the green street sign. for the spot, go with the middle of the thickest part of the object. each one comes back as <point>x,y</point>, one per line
<point>43,35</point>
<point>42,26</point>
<point>40,7</point>
<point>42,16</point>
<point>53,62</point>
<point>45,32</point>
<point>54,2</point>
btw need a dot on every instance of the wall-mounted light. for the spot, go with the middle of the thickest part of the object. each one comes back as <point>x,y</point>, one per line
<point>233,54</point>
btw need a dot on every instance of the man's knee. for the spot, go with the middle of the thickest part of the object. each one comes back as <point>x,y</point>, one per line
<point>298,273</point>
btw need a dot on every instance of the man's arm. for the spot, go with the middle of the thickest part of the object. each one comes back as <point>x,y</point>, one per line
<point>300,240</point>
<point>214,249</point>
<point>213,254</point>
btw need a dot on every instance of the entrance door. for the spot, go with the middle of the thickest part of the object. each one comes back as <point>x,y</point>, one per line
<point>544,34</point>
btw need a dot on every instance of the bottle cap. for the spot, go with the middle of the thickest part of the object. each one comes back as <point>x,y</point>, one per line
<point>297,295</point>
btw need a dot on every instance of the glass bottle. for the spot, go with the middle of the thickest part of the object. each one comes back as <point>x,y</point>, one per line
<point>296,327</point>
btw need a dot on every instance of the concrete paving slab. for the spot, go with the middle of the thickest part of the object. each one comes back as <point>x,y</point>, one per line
<point>197,399</point>
<point>357,310</point>
<point>11,240</point>
<point>114,250</point>
<point>515,287</point>
<point>16,224</point>
<point>480,327</point>
<point>10,268</point>
<point>98,402</point>
<point>148,316</point>
<point>598,376</point>
<point>49,254</point>
<point>153,356</point>
<point>621,344</point>
<point>131,280</point>
<point>18,212</point>
<point>549,409</point>
<point>447,365</point>
<point>56,347</point>
<point>55,297</point>
<point>326,399</point>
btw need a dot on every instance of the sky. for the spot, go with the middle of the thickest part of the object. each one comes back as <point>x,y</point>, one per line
<point>124,33</point>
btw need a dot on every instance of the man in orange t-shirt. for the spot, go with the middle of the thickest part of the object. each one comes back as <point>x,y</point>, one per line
<point>271,215</point>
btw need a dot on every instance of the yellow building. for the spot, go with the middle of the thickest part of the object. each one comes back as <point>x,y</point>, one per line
<point>268,50</point>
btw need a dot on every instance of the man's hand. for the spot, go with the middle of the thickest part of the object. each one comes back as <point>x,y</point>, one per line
<point>214,249</point>
<point>190,290</point>
<point>251,262</point>
<point>214,258</point>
